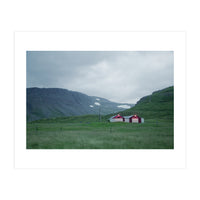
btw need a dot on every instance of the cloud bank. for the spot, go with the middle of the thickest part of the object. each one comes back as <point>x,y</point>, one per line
<point>120,76</point>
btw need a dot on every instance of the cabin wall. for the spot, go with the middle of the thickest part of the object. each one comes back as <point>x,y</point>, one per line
<point>126,120</point>
<point>135,120</point>
<point>117,120</point>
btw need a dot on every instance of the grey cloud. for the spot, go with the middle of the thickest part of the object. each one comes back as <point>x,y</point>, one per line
<point>121,76</point>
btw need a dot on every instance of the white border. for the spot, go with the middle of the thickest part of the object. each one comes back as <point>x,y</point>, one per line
<point>122,41</point>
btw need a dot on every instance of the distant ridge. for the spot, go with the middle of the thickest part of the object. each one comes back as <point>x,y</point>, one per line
<point>56,102</point>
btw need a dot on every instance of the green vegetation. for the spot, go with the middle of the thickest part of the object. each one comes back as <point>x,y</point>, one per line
<point>100,135</point>
<point>159,105</point>
<point>92,132</point>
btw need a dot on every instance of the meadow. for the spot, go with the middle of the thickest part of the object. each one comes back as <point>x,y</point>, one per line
<point>66,133</point>
<point>95,132</point>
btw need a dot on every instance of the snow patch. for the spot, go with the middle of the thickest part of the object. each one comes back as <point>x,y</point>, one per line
<point>97,99</point>
<point>91,106</point>
<point>124,106</point>
<point>97,103</point>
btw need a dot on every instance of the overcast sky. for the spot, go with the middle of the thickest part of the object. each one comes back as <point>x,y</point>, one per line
<point>120,76</point>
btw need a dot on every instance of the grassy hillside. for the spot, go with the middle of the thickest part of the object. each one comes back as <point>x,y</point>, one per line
<point>159,105</point>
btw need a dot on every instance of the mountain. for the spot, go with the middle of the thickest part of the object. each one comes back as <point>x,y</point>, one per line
<point>55,102</point>
<point>158,105</point>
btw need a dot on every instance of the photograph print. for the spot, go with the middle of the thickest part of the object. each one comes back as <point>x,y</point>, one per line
<point>100,99</point>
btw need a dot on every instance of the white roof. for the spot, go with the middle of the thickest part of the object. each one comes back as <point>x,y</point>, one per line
<point>128,116</point>
<point>115,116</point>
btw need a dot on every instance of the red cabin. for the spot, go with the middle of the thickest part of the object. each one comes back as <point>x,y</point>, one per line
<point>132,119</point>
<point>117,118</point>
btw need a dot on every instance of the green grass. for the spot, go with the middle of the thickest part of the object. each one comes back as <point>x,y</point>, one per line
<point>88,132</point>
<point>56,134</point>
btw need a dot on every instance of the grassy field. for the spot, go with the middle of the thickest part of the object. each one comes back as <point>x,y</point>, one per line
<point>95,132</point>
<point>65,133</point>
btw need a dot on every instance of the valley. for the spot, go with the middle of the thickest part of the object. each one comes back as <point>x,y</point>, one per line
<point>95,132</point>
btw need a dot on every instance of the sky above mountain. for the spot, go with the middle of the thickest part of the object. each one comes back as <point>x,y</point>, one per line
<point>120,76</point>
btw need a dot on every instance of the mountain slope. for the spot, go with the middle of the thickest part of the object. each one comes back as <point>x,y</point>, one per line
<point>55,102</point>
<point>158,105</point>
